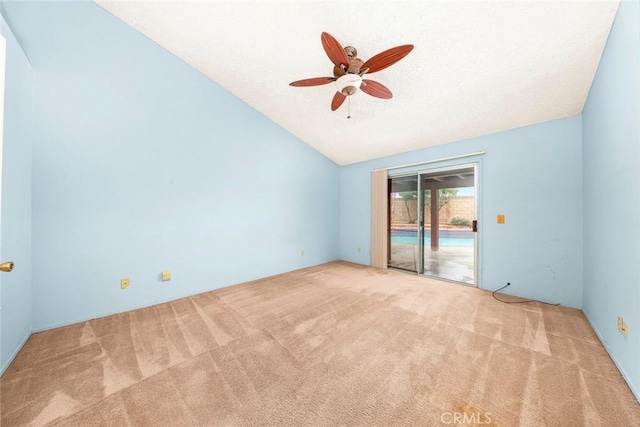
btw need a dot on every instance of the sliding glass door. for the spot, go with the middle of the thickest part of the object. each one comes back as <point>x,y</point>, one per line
<point>449,213</point>
<point>433,222</point>
<point>403,228</point>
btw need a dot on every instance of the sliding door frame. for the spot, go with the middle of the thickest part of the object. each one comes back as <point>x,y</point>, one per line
<point>424,170</point>
<point>420,221</point>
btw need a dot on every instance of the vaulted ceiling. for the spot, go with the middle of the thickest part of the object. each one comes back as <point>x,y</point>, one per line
<point>477,67</point>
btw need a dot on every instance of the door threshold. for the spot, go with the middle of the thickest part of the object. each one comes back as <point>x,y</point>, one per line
<point>442,279</point>
<point>426,276</point>
<point>403,270</point>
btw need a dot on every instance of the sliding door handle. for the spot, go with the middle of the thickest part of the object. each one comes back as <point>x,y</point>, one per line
<point>6,267</point>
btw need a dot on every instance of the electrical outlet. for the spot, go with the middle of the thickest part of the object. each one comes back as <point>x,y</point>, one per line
<point>359,249</point>
<point>302,252</point>
<point>625,329</point>
<point>124,283</point>
<point>165,276</point>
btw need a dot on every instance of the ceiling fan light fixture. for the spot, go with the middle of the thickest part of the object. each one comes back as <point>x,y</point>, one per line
<point>348,70</point>
<point>348,84</point>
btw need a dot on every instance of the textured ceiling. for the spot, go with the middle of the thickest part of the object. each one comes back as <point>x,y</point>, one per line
<point>477,67</point>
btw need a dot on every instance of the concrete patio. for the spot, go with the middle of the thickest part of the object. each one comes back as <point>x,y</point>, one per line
<point>449,262</point>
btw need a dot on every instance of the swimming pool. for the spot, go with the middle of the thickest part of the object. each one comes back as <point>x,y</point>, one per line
<point>461,238</point>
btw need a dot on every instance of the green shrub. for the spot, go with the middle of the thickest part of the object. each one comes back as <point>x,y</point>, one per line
<point>456,220</point>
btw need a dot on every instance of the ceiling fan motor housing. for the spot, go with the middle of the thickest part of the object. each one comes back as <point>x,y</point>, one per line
<point>348,84</point>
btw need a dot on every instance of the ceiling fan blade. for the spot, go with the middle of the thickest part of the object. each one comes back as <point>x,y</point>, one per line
<point>334,51</point>
<point>387,58</point>
<point>337,101</point>
<point>316,81</point>
<point>375,89</point>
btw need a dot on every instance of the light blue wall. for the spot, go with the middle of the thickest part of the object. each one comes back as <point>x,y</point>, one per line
<point>533,176</point>
<point>15,244</point>
<point>611,130</point>
<point>142,164</point>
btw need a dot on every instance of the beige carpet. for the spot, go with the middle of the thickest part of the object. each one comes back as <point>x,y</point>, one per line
<point>338,344</point>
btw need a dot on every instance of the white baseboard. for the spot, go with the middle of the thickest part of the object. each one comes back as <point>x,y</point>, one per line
<point>15,353</point>
<point>635,392</point>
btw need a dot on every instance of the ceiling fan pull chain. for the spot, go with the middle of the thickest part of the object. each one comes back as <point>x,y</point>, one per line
<point>349,108</point>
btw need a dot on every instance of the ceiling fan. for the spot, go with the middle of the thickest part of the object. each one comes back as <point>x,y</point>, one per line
<point>348,70</point>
